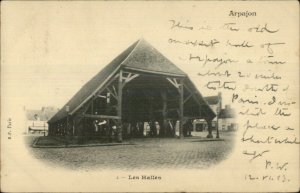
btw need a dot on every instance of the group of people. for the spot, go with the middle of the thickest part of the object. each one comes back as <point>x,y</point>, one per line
<point>167,128</point>
<point>106,128</point>
<point>141,129</point>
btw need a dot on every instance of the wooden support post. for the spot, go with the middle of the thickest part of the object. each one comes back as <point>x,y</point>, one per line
<point>82,131</point>
<point>73,127</point>
<point>218,135</point>
<point>181,108</point>
<point>120,95</point>
<point>93,105</point>
<point>150,106</point>
<point>120,106</point>
<point>217,126</point>
<point>67,125</point>
<point>164,110</point>
<point>209,123</point>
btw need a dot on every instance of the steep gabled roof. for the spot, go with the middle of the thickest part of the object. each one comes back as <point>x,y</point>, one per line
<point>227,113</point>
<point>212,100</point>
<point>144,57</point>
<point>140,56</point>
<point>89,88</point>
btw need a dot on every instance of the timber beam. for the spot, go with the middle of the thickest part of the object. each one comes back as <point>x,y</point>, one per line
<point>114,94</point>
<point>188,97</point>
<point>100,116</point>
<point>174,82</point>
<point>128,78</point>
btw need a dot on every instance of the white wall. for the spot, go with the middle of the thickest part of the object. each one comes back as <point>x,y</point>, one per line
<point>225,123</point>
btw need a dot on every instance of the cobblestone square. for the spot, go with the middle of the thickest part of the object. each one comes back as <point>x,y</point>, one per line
<point>146,153</point>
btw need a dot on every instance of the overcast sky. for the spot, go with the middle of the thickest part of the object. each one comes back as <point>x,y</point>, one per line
<point>51,49</point>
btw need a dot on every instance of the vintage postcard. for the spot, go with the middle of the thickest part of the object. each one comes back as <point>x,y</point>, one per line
<point>150,96</point>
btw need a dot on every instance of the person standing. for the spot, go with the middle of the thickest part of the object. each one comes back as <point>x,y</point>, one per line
<point>113,133</point>
<point>96,126</point>
<point>177,125</point>
<point>102,126</point>
<point>157,127</point>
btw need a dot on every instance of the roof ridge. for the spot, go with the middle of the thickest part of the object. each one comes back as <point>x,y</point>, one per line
<point>134,61</point>
<point>136,45</point>
<point>139,53</point>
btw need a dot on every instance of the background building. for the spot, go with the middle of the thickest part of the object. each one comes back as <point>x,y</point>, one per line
<point>36,120</point>
<point>226,119</point>
<point>215,103</point>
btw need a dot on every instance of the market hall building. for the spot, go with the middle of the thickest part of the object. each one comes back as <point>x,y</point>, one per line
<point>139,87</point>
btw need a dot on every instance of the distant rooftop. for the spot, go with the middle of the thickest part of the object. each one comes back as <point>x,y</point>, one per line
<point>43,114</point>
<point>227,113</point>
<point>212,100</point>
